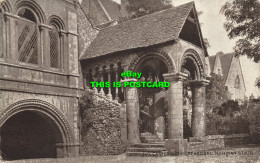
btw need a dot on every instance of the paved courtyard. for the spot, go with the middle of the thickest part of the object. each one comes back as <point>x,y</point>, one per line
<point>228,155</point>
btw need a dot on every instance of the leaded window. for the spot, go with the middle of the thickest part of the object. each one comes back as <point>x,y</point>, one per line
<point>54,47</point>
<point>27,37</point>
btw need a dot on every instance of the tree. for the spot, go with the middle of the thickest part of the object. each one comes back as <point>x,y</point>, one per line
<point>137,8</point>
<point>243,22</point>
<point>216,93</point>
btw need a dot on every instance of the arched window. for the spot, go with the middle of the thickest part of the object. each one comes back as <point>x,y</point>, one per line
<point>28,36</point>
<point>56,43</point>
<point>54,48</point>
<point>237,82</point>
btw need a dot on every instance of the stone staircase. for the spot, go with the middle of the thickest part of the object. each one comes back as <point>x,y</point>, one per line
<point>150,146</point>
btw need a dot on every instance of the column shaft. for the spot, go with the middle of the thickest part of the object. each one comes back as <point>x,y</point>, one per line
<point>132,110</point>
<point>116,73</point>
<point>198,111</point>
<point>175,105</point>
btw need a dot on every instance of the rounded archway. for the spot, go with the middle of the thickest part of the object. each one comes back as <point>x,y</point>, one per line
<point>29,134</point>
<point>31,129</point>
<point>152,115</point>
<point>193,66</point>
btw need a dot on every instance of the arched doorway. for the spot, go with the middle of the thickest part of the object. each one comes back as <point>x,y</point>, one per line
<point>193,95</point>
<point>29,134</point>
<point>153,113</point>
<point>32,129</point>
<point>188,67</point>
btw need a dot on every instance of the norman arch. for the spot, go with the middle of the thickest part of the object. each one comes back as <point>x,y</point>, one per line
<point>157,54</point>
<point>5,6</point>
<point>56,44</point>
<point>25,120</point>
<point>33,6</point>
<point>192,62</point>
<point>57,22</point>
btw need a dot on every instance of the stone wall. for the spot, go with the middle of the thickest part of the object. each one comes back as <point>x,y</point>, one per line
<point>87,32</point>
<point>67,105</point>
<point>103,131</point>
<point>227,140</point>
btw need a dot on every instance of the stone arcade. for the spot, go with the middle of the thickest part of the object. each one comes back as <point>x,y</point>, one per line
<point>50,52</point>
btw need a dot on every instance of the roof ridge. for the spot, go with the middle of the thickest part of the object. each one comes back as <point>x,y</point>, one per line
<point>149,30</point>
<point>148,15</point>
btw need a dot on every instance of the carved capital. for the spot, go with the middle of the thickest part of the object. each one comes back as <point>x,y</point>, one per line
<point>199,83</point>
<point>175,76</point>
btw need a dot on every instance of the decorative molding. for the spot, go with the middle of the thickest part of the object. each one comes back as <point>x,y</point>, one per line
<point>199,83</point>
<point>175,76</point>
<point>195,57</point>
<point>32,5</point>
<point>43,107</point>
<point>153,54</point>
<point>6,6</point>
<point>37,69</point>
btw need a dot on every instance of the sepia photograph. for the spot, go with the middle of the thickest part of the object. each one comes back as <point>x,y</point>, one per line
<point>130,81</point>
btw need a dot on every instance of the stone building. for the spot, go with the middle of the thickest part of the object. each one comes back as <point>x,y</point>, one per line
<point>39,79</point>
<point>51,51</point>
<point>228,66</point>
<point>165,45</point>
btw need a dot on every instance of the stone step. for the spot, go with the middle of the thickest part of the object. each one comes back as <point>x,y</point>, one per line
<point>146,145</point>
<point>146,134</point>
<point>149,137</point>
<point>152,149</point>
<point>195,143</point>
<point>153,154</point>
<point>152,141</point>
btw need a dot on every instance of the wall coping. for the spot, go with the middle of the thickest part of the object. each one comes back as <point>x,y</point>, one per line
<point>227,136</point>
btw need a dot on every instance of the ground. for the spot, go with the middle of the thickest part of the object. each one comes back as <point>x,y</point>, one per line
<point>249,153</point>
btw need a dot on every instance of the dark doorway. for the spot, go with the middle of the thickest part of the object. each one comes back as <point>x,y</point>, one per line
<point>28,135</point>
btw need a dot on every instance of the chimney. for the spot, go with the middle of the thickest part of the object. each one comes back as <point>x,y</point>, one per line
<point>123,9</point>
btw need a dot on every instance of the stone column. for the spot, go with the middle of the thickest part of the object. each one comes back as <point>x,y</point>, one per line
<point>101,73</point>
<point>158,114</point>
<point>132,112</point>
<point>198,123</point>
<point>45,45</point>
<point>116,74</point>
<point>175,143</point>
<point>95,76</point>
<point>109,95</point>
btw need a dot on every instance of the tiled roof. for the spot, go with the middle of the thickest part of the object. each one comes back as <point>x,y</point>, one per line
<point>225,60</point>
<point>152,29</point>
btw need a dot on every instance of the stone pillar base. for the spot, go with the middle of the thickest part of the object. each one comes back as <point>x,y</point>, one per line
<point>197,139</point>
<point>176,146</point>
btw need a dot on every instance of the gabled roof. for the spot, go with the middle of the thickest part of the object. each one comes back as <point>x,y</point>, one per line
<point>225,60</point>
<point>112,8</point>
<point>212,60</point>
<point>148,30</point>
